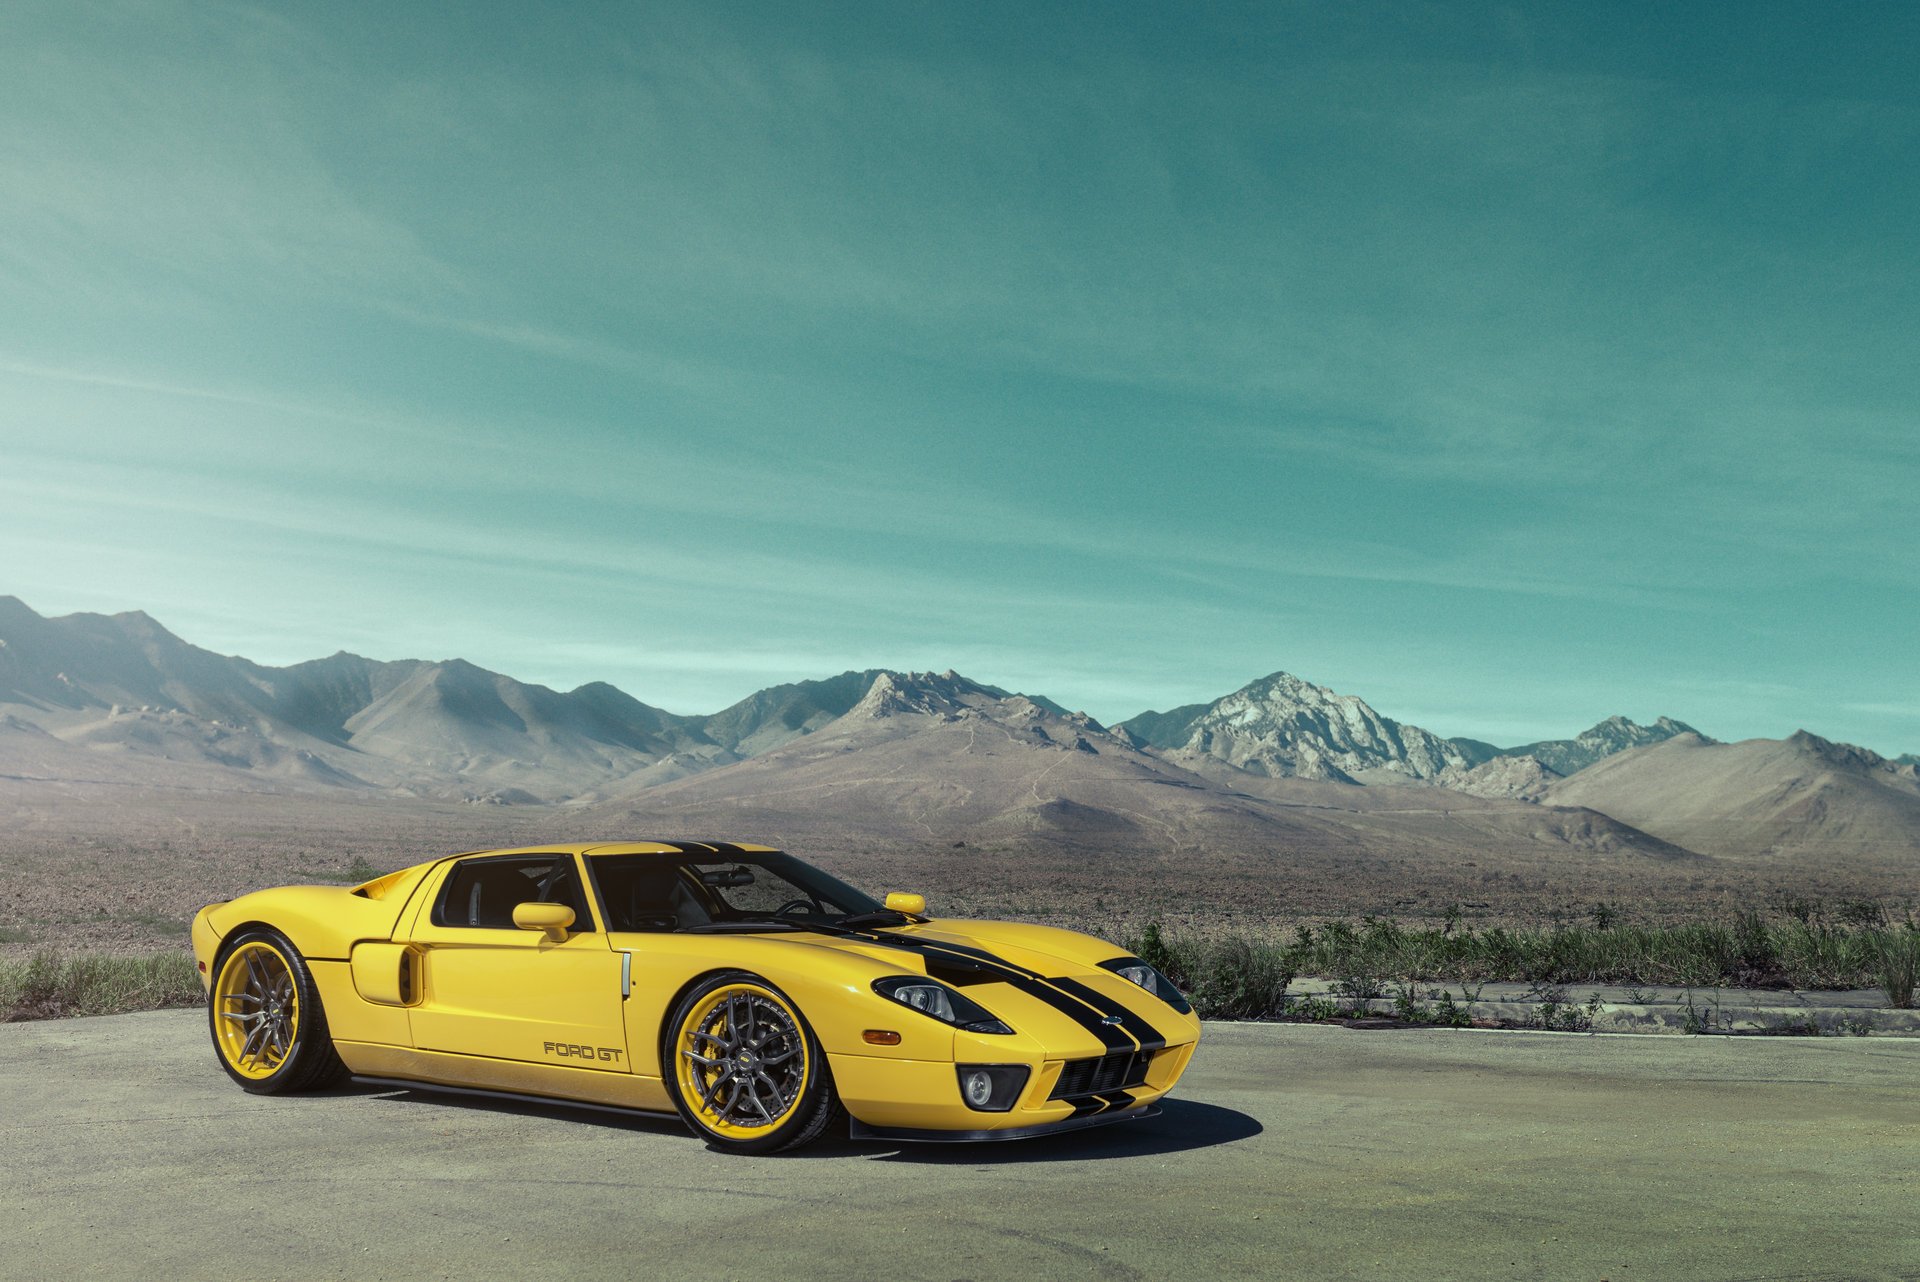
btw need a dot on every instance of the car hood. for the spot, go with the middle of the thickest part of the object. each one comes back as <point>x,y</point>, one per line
<point>942,945</point>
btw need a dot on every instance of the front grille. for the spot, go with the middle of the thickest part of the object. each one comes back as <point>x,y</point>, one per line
<point>1115,1072</point>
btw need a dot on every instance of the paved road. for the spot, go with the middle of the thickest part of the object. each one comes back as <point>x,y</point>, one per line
<point>1304,1152</point>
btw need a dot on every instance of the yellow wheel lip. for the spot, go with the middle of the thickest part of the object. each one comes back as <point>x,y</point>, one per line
<point>691,1088</point>
<point>230,1036</point>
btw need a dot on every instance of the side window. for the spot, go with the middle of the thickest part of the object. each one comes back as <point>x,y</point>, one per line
<point>484,892</point>
<point>648,893</point>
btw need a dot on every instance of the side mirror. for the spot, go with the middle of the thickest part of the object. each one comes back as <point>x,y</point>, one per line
<point>552,918</point>
<point>911,905</point>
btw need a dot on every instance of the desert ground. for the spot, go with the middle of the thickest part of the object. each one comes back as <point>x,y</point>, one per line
<point>122,868</point>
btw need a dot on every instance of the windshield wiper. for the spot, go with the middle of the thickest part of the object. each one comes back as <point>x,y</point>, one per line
<point>744,925</point>
<point>883,917</point>
<point>751,921</point>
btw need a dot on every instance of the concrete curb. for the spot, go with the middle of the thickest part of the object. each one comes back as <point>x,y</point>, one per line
<point>1611,1009</point>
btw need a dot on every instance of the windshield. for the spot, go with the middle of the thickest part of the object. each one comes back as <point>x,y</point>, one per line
<point>770,891</point>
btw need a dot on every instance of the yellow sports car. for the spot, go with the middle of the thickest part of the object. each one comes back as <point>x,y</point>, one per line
<point>751,993</point>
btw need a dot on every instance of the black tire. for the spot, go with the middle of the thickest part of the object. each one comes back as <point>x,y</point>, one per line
<point>264,1014</point>
<point>773,1033</point>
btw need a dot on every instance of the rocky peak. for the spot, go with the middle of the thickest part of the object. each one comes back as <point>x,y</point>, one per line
<point>948,696</point>
<point>1284,725</point>
<point>1845,755</point>
<point>933,694</point>
<point>1615,734</point>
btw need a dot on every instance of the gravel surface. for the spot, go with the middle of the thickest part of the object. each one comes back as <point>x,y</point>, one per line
<point>1289,1151</point>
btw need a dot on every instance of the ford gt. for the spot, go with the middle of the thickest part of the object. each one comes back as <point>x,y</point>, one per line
<point>755,996</point>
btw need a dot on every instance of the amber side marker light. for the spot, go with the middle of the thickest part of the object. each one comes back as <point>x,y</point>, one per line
<point>880,1037</point>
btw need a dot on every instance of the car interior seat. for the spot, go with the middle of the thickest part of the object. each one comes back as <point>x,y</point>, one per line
<point>495,892</point>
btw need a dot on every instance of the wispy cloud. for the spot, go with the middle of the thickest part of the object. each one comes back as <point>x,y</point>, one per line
<point>247,398</point>
<point>1910,710</point>
<point>153,158</point>
<point>1151,359</point>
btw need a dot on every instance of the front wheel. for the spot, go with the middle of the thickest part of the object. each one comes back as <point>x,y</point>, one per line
<point>747,1074</point>
<point>269,1030</point>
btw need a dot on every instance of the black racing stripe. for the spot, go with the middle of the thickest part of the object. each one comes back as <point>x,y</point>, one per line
<point>978,960</point>
<point>1086,1007</point>
<point>725,849</point>
<point>1113,1037</point>
<point>1149,1037</point>
<point>706,849</point>
<point>979,955</point>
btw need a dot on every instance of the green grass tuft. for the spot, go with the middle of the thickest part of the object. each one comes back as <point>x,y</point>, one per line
<point>49,985</point>
<point>1233,977</point>
<point>1898,955</point>
<point>1228,978</point>
<point>1742,952</point>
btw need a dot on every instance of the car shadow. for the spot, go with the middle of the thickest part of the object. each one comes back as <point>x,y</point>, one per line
<point>517,1106</point>
<point>1180,1126</point>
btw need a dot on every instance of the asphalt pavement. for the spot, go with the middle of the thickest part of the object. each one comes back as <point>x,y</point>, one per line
<point>1289,1152</point>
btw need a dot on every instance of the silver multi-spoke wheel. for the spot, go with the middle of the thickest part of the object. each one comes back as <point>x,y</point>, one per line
<point>263,1006</point>
<point>746,1060</point>
<point>745,1069</point>
<point>257,1007</point>
<point>268,1028</point>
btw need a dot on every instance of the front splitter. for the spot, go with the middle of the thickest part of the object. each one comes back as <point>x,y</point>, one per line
<point>859,1130</point>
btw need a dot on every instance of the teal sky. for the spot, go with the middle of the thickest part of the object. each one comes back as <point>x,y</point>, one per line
<point>1510,366</point>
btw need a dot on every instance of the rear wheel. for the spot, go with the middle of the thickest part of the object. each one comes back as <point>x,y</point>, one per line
<point>269,1030</point>
<point>747,1073</point>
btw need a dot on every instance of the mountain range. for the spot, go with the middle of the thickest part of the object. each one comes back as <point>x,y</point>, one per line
<point>1802,795</point>
<point>121,699</point>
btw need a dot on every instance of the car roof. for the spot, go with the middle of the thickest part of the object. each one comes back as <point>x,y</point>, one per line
<point>723,849</point>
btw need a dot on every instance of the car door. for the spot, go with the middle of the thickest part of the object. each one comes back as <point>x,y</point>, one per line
<point>489,988</point>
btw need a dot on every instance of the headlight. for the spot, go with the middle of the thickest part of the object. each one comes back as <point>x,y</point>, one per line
<point>948,1005</point>
<point>1138,972</point>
